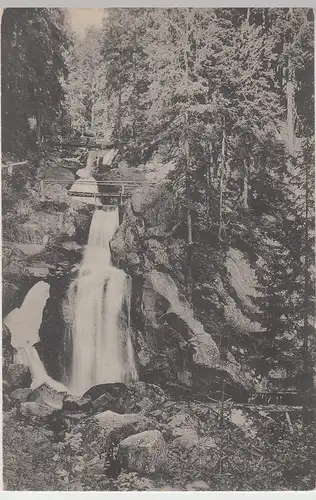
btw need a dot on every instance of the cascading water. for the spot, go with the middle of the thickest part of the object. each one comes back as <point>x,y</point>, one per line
<point>102,350</point>
<point>86,183</point>
<point>24,324</point>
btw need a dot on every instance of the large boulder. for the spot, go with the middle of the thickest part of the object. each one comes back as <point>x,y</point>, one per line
<point>156,252</point>
<point>145,197</point>
<point>160,287</point>
<point>109,427</point>
<point>145,452</point>
<point>21,395</point>
<point>127,240</point>
<point>172,339</point>
<point>76,404</point>
<point>112,391</point>
<point>37,409</point>
<point>121,398</point>
<point>48,395</point>
<point>18,375</point>
<point>198,485</point>
<point>145,397</point>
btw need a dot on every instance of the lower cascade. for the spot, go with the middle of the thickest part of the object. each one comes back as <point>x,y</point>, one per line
<point>102,350</point>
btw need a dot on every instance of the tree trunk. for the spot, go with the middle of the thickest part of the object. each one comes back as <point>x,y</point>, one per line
<point>92,117</point>
<point>245,186</point>
<point>187,167</point>
<point>248,15</point>
<point>38,130</point>
<point>221,185</point>
<point>208,188</point>
<point>290,90</point>
<point>134,101</point>
<point>307,364</point>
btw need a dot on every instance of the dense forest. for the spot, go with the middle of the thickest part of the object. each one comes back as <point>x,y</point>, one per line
<point>227,97</point>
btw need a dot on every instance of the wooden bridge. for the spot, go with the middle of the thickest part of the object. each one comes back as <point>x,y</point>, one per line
<point>116,191</point>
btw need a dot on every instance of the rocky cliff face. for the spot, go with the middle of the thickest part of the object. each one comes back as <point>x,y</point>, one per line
<point>178,343</point>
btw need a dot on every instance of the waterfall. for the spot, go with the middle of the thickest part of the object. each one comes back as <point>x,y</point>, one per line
<point>86,183</point>
<point>28,355</point>
<point>24,324</point>
<point>102,350</point>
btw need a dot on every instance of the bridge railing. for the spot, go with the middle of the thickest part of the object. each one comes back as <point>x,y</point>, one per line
<point>116,189</point>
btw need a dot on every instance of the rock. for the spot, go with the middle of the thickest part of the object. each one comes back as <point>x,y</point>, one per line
<point>120,398</point>
<point>18,376</point>
<point>6,336</point>
<point>7,349</point>
<point>37,409</point>
<point>114,390</point>
<point>71,246</point>
<point>157,254</point>
<point>157,414</point>
<point>73,404</point>
<point>46,394</point>
<point>180,423</point>
<point>133,264</point>
<point>162,285</point>
<point>38,272</point>
<point>110,427</point>
<point>206,351</point>
<point>145,452</point>
<point>186,438</point>
<point>197,486</point>
<point>21,395</point>
<point>127,239</point>
<point>146,396</point>
<point>145,197</point>
<point>7,402</point>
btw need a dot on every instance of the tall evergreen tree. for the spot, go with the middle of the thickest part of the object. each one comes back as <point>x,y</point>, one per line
<point>34,42</point>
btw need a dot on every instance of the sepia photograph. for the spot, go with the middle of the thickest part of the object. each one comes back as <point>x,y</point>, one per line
<point>158,249</point>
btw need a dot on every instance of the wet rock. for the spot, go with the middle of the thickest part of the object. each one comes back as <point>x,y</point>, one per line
<point>12,296</point>
<point>18,376</point>
<point>7,349</point>
<point>109,427</point>
<point>73,404</point>
<point>47,395</point>
<point>113,391</point>
<point>197,486</point>
<point>145,452</point>
<point>6,336</point>
<point>52,347</point>
<point>120,398</point>
<point>21,395</point>
<point>133,264</point>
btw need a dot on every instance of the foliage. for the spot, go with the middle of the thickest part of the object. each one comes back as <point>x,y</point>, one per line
<point>33,45</point>
<point>84,85</point>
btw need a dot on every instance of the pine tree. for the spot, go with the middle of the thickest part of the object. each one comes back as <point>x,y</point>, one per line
<point>83,87</point>
<point>34,43</point>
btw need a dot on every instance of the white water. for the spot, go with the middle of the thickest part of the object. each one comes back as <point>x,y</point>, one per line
<point>86,183</point>
<point>102,351</point>
<point>24,324</point>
